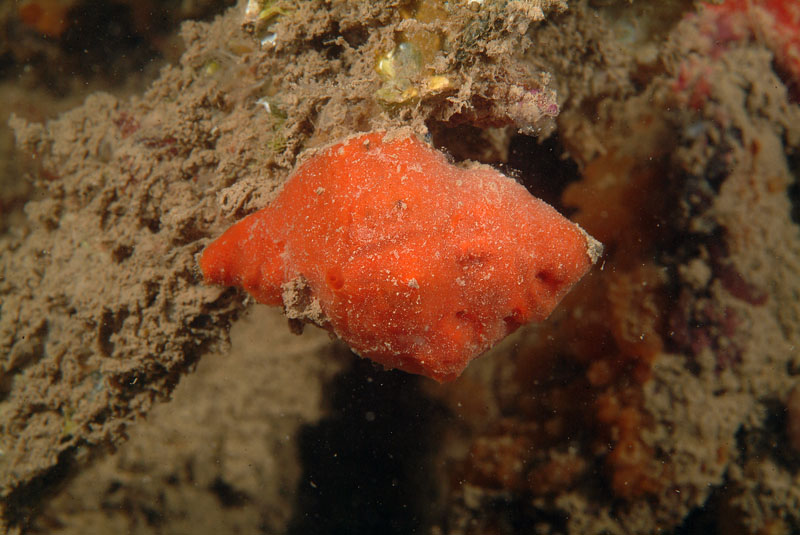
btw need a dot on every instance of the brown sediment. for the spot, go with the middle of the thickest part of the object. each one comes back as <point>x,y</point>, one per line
<point>203,453</point>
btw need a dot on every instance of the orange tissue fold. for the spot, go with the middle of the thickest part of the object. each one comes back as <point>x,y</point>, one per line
<point>416,263</point>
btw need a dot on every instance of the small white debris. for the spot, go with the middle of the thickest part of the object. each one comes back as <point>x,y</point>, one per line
<point>269,39</point>
<point>264,102</point>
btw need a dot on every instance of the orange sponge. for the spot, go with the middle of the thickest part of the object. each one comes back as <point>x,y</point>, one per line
<point>414,262</point>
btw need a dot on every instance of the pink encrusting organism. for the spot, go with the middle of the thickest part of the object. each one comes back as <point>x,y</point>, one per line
<point>776,23</point>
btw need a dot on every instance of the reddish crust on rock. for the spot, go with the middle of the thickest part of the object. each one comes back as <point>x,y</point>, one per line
<point>415,263</point>
<point>776,22</point>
